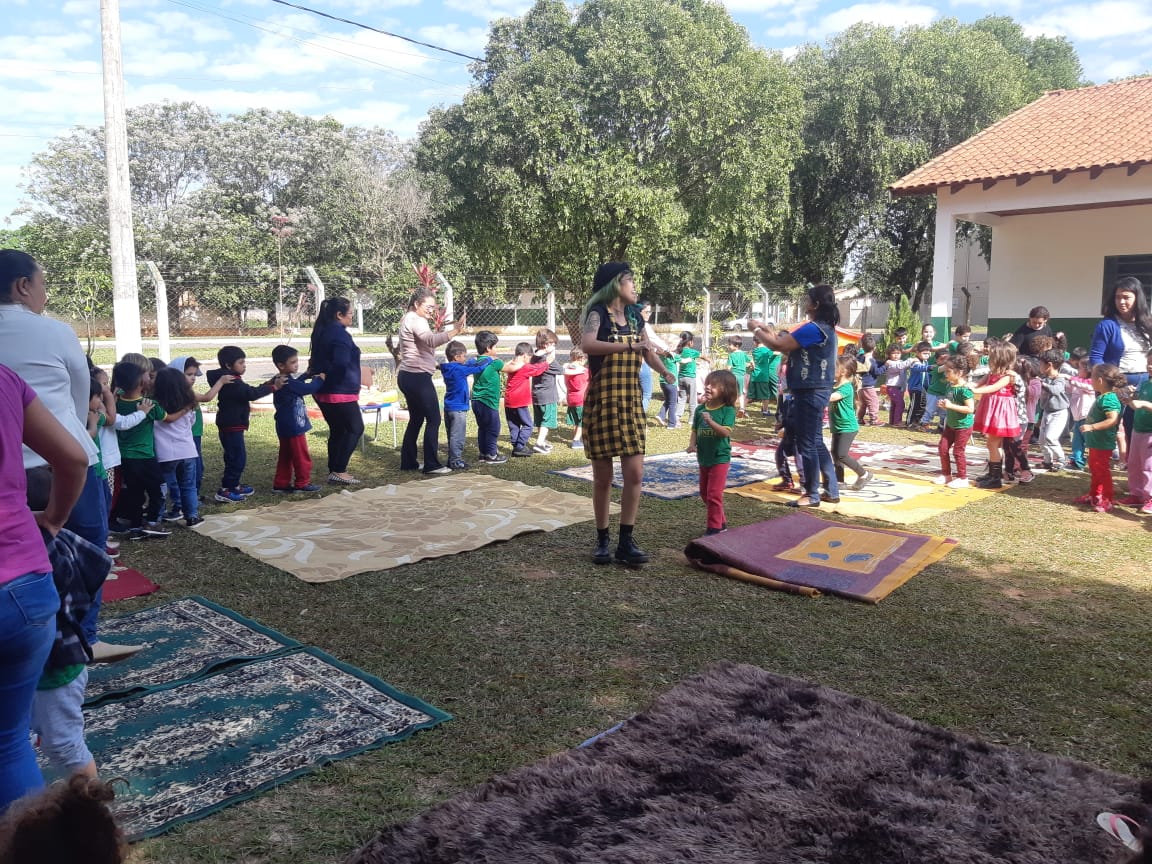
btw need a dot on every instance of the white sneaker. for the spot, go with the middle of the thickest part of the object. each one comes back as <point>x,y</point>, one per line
<point>940,480</point>
<point>443,469</point>
<point>958,483</point>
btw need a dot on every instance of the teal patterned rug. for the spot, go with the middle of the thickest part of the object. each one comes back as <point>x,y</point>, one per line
<point>189,750</point>
<point>185,639</point>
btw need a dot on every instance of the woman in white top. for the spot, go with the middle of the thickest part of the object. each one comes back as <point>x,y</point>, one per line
<point>1124,337</point>
<point>418,344</point>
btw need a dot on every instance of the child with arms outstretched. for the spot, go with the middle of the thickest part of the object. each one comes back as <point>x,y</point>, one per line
<point>710,440</point>
<point>997,416</point>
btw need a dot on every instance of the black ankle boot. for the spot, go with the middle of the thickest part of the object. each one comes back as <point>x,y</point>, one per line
<point>603,554</point>
<point>995,478</point>
<point>627,552</point>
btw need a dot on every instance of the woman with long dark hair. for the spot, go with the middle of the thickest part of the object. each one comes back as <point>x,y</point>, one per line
<point>1124,337</point>
<point>811,350</point>
<point>334,353</point>
<point>418,344</point>
<point>616,342</point>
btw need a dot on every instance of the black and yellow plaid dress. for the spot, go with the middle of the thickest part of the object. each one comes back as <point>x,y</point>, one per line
<point>613,410</point>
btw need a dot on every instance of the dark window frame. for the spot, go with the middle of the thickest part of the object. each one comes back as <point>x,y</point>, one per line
<point>1119,266</point>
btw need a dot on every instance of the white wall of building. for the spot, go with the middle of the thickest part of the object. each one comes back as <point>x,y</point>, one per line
<point>1057,259</point>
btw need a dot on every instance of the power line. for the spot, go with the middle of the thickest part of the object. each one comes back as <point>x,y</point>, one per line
<point>378,30</point>
<point>312,44</point>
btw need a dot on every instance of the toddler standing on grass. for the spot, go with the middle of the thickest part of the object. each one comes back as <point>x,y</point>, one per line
<point>1053,408</point>
<point>1140,447</point>
<point>576,385</point>
<point>844,422</point>
<point>486,400</point>
<point>518,396</point>
<point>232,415</point>
<point>710,440</point>
<point>140,502</point>
<point>1081,397</point>
<point>895,372</point>
<point>869,412</point>
<point>457,398</point>
<point>738,364</point>
<point>1100,432</point>
<point>190,368</point>
<point>960,405</point>
<point>292,423</point>
<point>175,449</point>
<point>545,394</point>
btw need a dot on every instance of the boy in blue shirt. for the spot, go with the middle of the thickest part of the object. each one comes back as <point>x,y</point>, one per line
<point>292,423</point>
<point>918,383</point>
<point>457,398</point>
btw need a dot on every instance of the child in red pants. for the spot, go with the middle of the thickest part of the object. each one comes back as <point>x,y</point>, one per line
<point>1100,429</point>
<point>710,440</point>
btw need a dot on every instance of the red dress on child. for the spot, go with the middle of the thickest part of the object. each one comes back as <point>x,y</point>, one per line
<point>997,413</point>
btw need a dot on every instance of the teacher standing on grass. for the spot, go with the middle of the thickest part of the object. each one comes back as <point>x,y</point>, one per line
<point>418,344</point>
<point>616,342</point>
<point>1124,337</point>
<point>811,350</point>
<point>335,354</point>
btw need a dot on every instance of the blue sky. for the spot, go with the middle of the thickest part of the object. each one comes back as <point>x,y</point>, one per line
<point>237,54</point>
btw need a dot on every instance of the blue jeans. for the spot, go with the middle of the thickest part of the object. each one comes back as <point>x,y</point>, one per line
<point>180,476</point>
<point>668,411</point>
<point>811,451</point>
<point>58,718</point>
<point>488,428</point>
<point>89,519</point>
<point>1078,457</point>
<point>645,385</point>
<point>28,606</point>
<point>235,458</point>
<point>456,423</point>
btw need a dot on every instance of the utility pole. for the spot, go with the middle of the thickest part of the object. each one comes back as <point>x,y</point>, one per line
<point>121,242</point>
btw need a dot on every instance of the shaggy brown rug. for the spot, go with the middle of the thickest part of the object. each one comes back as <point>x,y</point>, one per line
<point>740,766</point>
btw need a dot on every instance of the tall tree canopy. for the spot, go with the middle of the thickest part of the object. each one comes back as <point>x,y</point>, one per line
<point>649,130</point>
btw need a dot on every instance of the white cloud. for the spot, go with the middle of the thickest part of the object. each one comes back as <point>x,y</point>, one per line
<point>882,14</point>
<point>1093,21</point>
<point>754,5</point>
<point>394,116</point>
<point>468,40</point>
<point>490,10</point>
<point>227,100</point>
<point>786,31</point>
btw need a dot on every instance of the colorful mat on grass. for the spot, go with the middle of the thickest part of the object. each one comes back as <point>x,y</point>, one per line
<point>188,751</point>
<point>677,475</point>
<point>124,582</point>
<point>804,554</point>
<point>184,639</point>
<point>896,498</point>
<point>917,459</point>
<point>331,538</point>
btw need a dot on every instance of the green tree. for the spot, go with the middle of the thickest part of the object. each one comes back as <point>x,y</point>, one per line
<point>900,316</point>
<point>647,130</point>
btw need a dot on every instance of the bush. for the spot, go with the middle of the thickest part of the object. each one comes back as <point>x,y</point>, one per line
<point>900,314</point>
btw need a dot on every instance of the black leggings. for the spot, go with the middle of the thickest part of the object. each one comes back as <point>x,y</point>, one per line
<point>841,445</point>
<point>423,408</point>
<point>345,428</point>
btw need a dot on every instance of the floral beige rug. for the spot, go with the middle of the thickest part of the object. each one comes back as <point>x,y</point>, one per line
<point>337,536</point>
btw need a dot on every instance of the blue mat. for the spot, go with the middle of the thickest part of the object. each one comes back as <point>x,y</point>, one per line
<point>677,475</point>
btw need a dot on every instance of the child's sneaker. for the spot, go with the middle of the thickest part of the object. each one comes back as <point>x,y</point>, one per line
<point>244,490</point>
<point>459,465</point>
<point>283,490</point>
<point>958,483</point>
<point>542,448</point>
<point>1084,499</point>
<point>1146,507</point>
<point>1102,506</point>
<point>310,487</point>
<point>172,516</point>
<point>193,521</point>
<point>1070,465</point>
<point>228,496</point>
<point>497,459</point>
<point>1025,477</point>
<point>155,529</point>
<point>941,480</point>
<point>863,480</point>
<point>784,486</point>
<point>577,445</point>
<point>1131,500</point>
<point>521,451</point>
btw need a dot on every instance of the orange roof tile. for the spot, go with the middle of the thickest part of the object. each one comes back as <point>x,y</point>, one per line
<point>1064,130</point>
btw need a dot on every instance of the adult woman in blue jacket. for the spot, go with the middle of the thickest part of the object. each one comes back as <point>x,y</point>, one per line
<point>335,354</point>
<point>1124,337</point>
<point>811,350</point>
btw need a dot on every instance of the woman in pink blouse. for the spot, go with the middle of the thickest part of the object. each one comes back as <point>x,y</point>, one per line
<point>418,344</point>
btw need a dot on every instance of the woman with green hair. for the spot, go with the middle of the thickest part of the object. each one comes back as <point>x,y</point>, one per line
<point>616,342</point>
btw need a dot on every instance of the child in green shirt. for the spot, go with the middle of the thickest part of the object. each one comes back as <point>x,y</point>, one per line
<point>845,424</point>
<point>738,365</point>
<point>712,424</point>
<point>763,383</point>
<point>960,405</point>
<point>1100,429</point>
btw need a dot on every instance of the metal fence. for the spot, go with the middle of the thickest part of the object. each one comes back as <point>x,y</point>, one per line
<point>267,301</point>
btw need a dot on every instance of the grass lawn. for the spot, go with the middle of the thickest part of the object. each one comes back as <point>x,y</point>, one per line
<point>1034,632</point>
